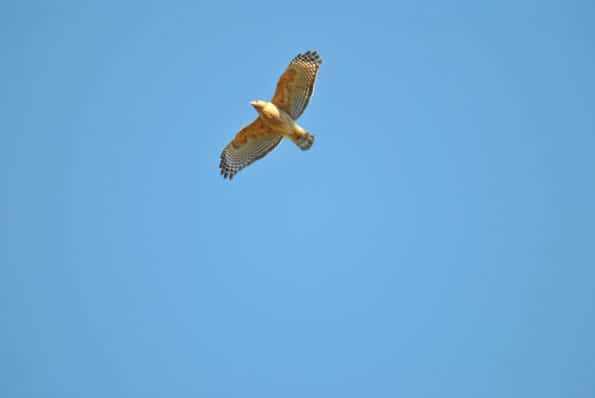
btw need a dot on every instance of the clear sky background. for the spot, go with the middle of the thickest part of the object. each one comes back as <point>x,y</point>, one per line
<point>437,241</point>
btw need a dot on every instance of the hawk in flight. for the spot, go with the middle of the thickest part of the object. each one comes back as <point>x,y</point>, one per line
<point>276,119</point>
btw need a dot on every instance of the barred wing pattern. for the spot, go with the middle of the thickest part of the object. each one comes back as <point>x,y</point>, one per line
<point>250,144</point>
<point>296,84</point>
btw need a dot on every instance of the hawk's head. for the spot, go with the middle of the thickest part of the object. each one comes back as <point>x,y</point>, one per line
<point>258,105</point>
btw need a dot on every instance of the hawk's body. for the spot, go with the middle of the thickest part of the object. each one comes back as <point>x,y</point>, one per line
<point>276,119</point>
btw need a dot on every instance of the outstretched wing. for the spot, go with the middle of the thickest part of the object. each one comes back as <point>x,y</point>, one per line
<point>250,144</point>
<point>296,84</point>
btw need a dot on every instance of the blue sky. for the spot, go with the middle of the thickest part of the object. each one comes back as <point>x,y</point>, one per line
<point>437,240</point>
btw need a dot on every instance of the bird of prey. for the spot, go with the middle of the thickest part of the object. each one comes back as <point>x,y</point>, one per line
<point>276,119</point>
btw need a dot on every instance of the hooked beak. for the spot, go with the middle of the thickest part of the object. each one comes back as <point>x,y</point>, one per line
<point>253,103</point>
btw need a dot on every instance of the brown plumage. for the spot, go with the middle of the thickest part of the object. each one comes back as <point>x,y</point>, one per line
<point>276,119</point>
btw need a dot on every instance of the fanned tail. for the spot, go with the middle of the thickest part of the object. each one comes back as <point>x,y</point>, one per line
<point>304,141</point>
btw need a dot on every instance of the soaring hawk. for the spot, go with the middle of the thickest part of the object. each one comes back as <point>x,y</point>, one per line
<point>276,119</point>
